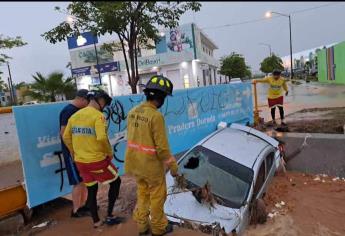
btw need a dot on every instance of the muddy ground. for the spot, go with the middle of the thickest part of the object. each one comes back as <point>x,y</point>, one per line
<point>314,120</point>
<point>312,206</point>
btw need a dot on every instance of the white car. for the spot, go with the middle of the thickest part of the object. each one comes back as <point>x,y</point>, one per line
<point>235,81</point>
<point>238,162</point>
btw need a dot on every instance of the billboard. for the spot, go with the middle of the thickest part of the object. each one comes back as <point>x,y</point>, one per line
<point>103,68</point>
<point>177,45</point>
<point>84,39</point>
<point>190,115</point>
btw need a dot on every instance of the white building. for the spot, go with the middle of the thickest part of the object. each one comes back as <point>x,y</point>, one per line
<point>184,55</point>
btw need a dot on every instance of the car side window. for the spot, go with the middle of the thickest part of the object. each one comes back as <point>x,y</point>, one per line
<point>260,180</point>
<point>269,161</point>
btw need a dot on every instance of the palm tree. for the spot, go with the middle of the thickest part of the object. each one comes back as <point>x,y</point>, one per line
<point>47,88</point>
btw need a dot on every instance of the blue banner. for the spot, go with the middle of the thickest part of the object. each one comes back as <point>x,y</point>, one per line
<point>77,72</point>
<point>190,115</point>
<point>84,39</point>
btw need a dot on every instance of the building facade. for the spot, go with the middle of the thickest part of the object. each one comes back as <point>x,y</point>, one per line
<point>331,64</point>
<point>185,55</point>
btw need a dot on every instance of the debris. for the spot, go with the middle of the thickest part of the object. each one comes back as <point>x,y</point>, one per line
<point>204,195</point>
<point>290,180</point>
<point>305,183</point>
<point>282,203</point>
<point>336,179</point>
<point>323,181</point>
<point>44,224</point>
<point>278,205</point>
<point>317,178</point>
<point>324,175</point>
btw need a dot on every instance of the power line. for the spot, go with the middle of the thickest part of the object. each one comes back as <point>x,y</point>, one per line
<point>262,19</point>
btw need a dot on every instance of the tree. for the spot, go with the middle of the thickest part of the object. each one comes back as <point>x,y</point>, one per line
<point>271,63</point>
<point>47,88</point>
<point>2,85</point>
<point>234,66</point>
<point>134,22</point>
<point>8,43</point>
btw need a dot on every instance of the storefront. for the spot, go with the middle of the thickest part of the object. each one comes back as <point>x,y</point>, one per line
<point>184,55</point>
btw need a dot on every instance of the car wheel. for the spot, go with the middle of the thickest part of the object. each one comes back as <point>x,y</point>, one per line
<point>258,213</point>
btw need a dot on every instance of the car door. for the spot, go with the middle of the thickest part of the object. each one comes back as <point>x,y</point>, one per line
<point>269,167</point>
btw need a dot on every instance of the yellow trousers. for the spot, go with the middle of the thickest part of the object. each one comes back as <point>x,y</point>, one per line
<point>151,196</point>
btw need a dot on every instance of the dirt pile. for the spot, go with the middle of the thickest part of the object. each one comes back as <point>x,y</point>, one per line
<point>312,205</point>
<point>298,204</point>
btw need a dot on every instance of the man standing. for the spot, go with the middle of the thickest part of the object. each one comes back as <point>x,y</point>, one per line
<point>147,156</point>
<point>275,94</point>
<point>79,191</point>
<point>87,140</point>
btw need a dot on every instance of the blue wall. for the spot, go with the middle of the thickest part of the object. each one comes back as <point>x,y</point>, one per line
<point>190,116</point>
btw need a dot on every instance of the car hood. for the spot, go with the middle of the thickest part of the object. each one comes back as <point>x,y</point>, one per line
<point>185,206</point>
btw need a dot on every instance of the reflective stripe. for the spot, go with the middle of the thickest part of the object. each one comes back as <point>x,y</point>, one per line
<point>141,148</point>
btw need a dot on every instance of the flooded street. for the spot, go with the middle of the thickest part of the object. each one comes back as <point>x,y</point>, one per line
<point>305,95</point>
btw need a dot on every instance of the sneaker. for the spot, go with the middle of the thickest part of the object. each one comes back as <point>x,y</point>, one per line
<point>114,220</point>
<point>169,229</point>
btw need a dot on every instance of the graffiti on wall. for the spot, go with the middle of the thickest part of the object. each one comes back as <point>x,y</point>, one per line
<point>190,116</point>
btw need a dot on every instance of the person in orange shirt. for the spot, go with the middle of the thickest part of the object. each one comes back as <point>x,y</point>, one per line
<point>275,94</point>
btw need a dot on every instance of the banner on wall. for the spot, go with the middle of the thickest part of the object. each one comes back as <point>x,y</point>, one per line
<point>190,115</point>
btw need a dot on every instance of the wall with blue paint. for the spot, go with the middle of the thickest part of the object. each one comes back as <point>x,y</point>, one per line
<point>190,116</point>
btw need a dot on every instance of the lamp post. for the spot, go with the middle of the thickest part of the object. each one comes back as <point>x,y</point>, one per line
<point>269,15</point>
<point>269,46</point>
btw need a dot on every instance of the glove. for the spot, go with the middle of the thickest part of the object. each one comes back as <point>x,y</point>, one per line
<point>287,92</point>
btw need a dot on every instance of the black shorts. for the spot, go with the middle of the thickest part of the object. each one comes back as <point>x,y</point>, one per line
<point>72,170</point>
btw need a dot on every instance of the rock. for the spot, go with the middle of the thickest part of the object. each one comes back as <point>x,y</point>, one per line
<point>317,178</point>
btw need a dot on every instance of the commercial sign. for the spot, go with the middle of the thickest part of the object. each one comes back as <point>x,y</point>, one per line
<point>89,70</point>
<point>175,46</point>
<point>190,116</point>
<point>84,39</point>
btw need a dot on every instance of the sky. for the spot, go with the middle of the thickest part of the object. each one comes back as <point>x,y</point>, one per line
<point>310,29</point>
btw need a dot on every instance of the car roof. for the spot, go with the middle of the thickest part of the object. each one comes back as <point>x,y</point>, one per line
<point>237,145</point>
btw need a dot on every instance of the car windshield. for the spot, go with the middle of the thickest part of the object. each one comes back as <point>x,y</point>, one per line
<point>229,180</point>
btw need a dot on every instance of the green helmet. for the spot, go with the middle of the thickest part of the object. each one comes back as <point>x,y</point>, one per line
<point>160,83</point>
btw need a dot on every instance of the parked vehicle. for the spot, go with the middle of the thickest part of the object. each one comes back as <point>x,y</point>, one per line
<point>235,80</point>
<point>238,162</point>
<point>31,103</point>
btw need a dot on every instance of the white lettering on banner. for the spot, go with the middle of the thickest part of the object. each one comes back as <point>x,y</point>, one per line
<point>206,120</point>
<point>49,159</point>
<point>46,141</point>
<point>181,127</point>
<point>186,126</point>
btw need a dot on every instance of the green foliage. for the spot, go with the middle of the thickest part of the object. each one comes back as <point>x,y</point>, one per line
<point>234,66</point>
<point>9,43</point>
<point>3,85</point>
<point>271,63</point>
<point>134,22</point>
<point>46,88</point>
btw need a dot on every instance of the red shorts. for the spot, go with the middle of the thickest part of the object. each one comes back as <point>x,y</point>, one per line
<point>101,171</point>
<point>276,102</point>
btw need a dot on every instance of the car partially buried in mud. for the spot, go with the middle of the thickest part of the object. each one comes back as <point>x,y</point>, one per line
<point>237,163</point>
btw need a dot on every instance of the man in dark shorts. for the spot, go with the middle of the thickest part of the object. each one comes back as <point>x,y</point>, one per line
<point>79,191</point>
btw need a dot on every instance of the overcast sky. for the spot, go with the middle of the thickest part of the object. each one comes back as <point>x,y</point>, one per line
<point>310,29</point>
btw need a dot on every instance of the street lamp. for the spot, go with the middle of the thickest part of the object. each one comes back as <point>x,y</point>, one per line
<point>269,46</point>
<point>269,15</point>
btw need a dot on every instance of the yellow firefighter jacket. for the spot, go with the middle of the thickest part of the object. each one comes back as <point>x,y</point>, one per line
<point>147,143</point>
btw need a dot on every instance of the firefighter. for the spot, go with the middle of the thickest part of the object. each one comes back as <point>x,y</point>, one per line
<point>148,157</point>
<point>87,140</point>
<point>275,94</point>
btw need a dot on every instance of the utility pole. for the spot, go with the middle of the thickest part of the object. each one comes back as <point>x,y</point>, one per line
<point>99,73</point>
<point>13,96</point>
